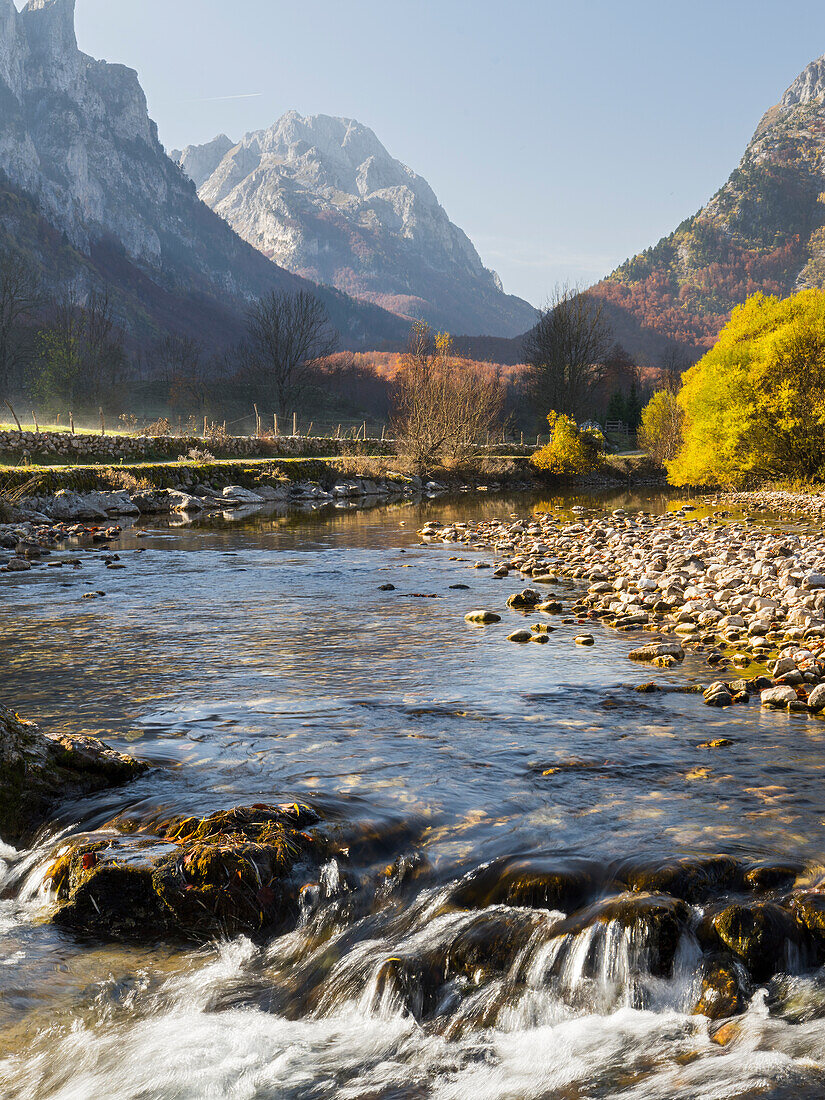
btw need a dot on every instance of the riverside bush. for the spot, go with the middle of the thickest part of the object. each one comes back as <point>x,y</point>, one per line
<point>754,406</point>
<point>571,452</point>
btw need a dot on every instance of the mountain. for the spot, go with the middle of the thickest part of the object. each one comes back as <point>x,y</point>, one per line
<point>88,192</point>
<point>323,198</point>
<point>763,231</point>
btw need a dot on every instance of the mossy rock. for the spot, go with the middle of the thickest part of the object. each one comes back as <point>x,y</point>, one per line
<point>655,923</point>
<point>38,771</point>
<point>809,910</point>
<point>533,882</point>
<point>491,942</point>
<point>771,875</point>
<point>191,878</point>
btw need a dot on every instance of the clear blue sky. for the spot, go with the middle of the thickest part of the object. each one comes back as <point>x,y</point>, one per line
<point>562,136</point>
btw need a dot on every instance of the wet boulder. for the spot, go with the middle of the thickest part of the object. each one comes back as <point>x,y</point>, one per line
<point>409,984</point>
<point>491,942</point>
<point>525,601</point>
<point>532,882</point>
<point>771,875</point>
<point>653,923</point>
<point>760,934</point>
<point>239,871</point>
<point>38,771</point>
<point>723,990</point>
<point>809,910</point>
<point>692,879</point>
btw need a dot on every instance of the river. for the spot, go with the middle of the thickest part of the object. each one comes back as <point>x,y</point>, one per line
<point>258,660</point>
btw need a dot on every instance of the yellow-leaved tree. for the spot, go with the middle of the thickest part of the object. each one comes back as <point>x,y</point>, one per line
<point>571,452</point>
<point>754,406</point>
<point>660,432</point>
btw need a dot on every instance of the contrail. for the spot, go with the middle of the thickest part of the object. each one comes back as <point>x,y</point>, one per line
<point>221,98</point>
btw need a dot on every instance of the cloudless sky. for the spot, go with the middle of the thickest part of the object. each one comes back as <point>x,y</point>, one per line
<point>561,136</point>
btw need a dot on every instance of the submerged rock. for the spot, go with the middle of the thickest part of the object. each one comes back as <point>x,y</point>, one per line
<point>37,771</point>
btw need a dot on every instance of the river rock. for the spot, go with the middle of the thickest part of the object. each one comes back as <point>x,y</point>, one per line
<point>658,649</point>
<point>778,697</point>
<point>68,505</point>
<point>184,502</point>
<point>236,871</point>
<point>723,989</point>
<point>482,617</point>
<point>759,934</point>
<point>37,771</point>
<point>524,601</point>
<point>236,493</point>
<point>816,700</point>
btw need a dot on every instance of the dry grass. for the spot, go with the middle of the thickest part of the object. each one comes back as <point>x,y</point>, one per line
<point>10,497</point>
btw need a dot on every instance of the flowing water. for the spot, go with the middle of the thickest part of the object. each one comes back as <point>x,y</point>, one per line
<point>257,660</point>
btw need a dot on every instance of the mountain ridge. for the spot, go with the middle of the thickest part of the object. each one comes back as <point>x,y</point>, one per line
<point>763,230</point>
<point>322,197</point>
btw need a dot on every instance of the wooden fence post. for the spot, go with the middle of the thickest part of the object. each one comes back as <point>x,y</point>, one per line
<point>275,422</point>
<point>71,422</point>
<point>14,414</point>
<point>36,425</point>
<point>294,424</point>
<point>102,423</point>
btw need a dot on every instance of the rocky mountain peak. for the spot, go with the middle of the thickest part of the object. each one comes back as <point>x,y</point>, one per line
<point>808,86</point>
<point>324,198</point>
<point>49,25</point>
<point>200,161</point>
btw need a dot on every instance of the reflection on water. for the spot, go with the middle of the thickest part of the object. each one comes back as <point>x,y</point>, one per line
<point>258,660</point>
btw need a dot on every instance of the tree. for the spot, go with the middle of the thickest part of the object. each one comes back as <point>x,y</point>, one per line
<point>287,333</point>
<point>660,433</point>
<point>571,452</point>
<point>754,406</point>
<point>59,357</point>
<point>104,361</point>
<point>444,407</point>
<point>80,356</point>
<point>20,298</point>
<point>566,351</point>
<point>187,372</point>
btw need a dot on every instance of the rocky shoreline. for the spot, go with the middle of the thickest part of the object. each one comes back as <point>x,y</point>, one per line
<point>746,598</point>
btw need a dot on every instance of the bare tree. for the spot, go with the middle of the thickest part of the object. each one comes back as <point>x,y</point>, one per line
<point>287,333</point>
<point>20,298</point>
<point>104,356</point>
<point>566,351</point>
<point>81,358</point>
<point>444,406</point>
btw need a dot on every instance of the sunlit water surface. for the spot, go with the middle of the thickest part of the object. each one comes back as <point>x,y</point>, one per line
<point>257,660</point>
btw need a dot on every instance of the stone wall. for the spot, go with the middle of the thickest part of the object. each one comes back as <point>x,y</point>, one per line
<point>48,447</point>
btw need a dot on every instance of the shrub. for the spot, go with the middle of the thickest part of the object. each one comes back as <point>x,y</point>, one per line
<point>754,406</point>
<point>571,452</point>
<point>660,433</point>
